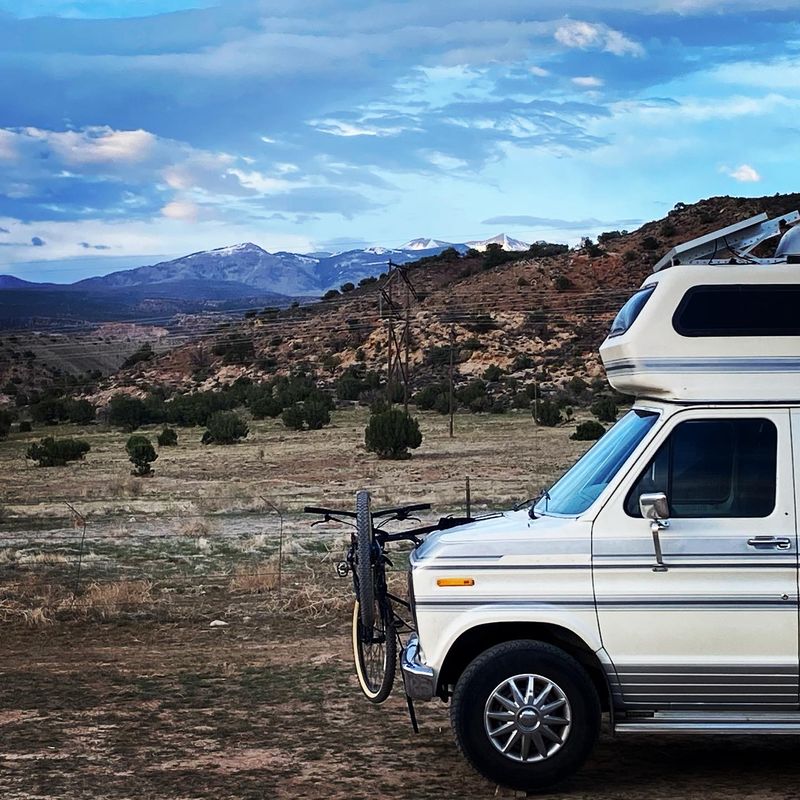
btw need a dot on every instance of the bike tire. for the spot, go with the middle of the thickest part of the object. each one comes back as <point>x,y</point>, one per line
<point>375,654</point>
<point>365,568</point>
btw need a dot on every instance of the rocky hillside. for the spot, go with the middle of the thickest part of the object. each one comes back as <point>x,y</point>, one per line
<point>531,315</point>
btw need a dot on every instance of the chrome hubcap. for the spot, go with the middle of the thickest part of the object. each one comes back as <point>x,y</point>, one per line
<point>527,718</point>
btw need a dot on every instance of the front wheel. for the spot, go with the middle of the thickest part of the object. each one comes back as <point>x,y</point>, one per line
<point>525,715</point>
<point>375,651</point>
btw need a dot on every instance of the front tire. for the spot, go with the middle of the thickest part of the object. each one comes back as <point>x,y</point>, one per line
<point>525,714</point>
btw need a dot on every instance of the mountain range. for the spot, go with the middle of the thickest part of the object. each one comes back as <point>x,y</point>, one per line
<point>225,278</point>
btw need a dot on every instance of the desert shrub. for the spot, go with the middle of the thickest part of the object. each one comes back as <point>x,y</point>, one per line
<point>562,283</point>
<point>522,361</point>
<point>628,256</point>
<point>265,405</point>
<point>650,243</point>
<point>548,414</point>
<point>472,391</point>
<point>224,427</point>
<point>24,426</point>
<point>593,250</point>
<point>168,438</point>
<point>144,353</point>
<point>480,405</point>
<point>235,349</point>
<point>80,412</point>
<point>141,453</point>
<point>605,409</point>
<point>349,387</point>
<point>316,413</point>
<point>347,287</point>
<point>392,433</point>
<point>492,373</point>
<point>126,412</point>
<point>668,229</point>
<point>543,249</point>
<point>187,410</point>
<point>609,236</point>
<point>438,355</point>
<point>6,418</point>
<point>330,294</point>
<point>588,431</point>
<point>425,399</point>
<point>293,417</point>
<point>294,389</point>
<point>498,406</point>
<point>50,452</point>
<point>49,411</point>
<point>368,280</point>
<point>521,400</point>
<point>483,323</point>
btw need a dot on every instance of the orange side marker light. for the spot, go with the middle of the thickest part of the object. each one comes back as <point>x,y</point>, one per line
<point>455,581</point>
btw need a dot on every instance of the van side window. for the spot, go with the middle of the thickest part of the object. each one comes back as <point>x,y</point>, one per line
<point>739,310</point>
<point>714,468</point>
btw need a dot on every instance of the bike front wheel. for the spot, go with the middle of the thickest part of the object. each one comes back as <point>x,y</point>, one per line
<point>375,651</point>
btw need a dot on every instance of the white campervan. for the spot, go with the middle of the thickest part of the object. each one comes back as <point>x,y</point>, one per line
<point>657,580</point>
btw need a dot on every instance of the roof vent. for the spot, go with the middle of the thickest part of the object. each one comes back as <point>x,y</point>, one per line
<point>789,244</point>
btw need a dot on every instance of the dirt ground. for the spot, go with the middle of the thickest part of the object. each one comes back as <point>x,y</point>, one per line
<point>114,685</point>
<point>507,457</point>
<point>263,709</point>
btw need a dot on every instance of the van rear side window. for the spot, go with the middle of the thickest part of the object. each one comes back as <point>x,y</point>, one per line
<point>632,308</point>
<point>739,310</point>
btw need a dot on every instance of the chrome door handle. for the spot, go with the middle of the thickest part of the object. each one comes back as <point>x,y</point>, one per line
<point>770,543</point>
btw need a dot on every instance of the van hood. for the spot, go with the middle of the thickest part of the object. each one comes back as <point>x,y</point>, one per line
<point>510,536</point>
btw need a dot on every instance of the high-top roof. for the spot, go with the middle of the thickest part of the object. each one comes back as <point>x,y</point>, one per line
<point>714,323</point>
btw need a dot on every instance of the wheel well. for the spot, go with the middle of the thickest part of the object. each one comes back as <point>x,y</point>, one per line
<point>473,642</point>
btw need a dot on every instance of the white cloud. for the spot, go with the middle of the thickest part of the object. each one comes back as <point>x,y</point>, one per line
<point>337,127</point>
<point>743,173</point>
<point>164,235</point>
<point>701,110</point>
<point>96,145</point>
<point>539,72</point>
<point>588,81</point>
<point>181,210</point>
<point>590,36</point>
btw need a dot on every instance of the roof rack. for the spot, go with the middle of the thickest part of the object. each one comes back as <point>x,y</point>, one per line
<point>731,245</point>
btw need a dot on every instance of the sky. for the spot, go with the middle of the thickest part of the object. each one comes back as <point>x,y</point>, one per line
<point>136,130</point>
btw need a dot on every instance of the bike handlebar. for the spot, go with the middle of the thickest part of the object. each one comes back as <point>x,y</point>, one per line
<point>401,512</point>
<point>328,511</point>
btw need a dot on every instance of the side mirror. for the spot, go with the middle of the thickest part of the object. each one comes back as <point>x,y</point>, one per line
<point>655,507</point>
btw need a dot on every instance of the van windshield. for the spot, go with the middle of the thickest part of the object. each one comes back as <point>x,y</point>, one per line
<point>580,486</point>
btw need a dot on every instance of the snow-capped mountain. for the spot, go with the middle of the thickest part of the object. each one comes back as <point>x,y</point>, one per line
<point>425,244</point>
<point>503,239</point>
<point>235,275</point>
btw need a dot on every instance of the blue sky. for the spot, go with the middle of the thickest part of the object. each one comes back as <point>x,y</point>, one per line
<point>137,129</point>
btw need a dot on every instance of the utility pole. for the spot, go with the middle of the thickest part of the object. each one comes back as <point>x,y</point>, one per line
<point>452,364</point>
<point>398,331</point>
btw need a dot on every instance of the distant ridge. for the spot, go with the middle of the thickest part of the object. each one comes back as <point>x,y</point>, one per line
<point>232,276</point>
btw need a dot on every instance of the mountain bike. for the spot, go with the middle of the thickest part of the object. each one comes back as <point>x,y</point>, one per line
<point>376,624</point>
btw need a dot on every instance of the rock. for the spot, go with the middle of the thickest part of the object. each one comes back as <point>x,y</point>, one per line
<point>218,623</point>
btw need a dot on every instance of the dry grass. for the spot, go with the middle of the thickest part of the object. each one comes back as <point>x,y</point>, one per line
<point>195,526</point>
<point>113,599</point>
<point>311,600</point>
<point>35,601</point>
<point>255,579</point>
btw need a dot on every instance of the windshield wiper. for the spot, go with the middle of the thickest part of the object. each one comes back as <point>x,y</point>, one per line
<point>543,495</point>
